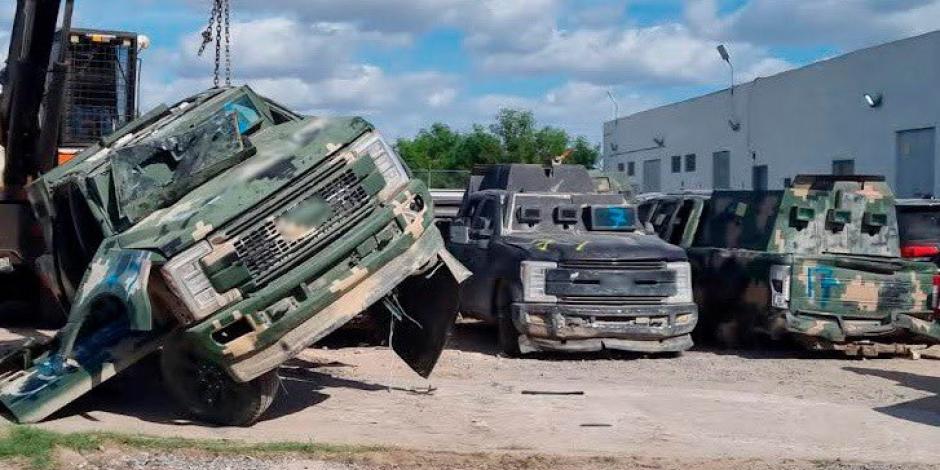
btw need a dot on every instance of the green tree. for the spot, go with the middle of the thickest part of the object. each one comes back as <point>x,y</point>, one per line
<point>479,147</point>
<point>432,148</point>
<point>584,153</point>
<point>550,142</point>
<point>513,137</point>
<point>516,129</point>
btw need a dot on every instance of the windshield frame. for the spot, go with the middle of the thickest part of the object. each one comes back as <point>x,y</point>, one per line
<point>548,226</point>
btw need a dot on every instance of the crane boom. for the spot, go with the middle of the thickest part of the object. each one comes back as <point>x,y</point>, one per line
<point>29,108</point>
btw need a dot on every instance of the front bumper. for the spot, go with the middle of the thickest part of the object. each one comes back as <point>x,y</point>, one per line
<point>584,328</point>
<point>315,298</point>
<point>428,250</point>
<point>836,329</point>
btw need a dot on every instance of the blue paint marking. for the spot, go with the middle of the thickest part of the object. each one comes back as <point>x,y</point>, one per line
<point>126,272</point>
<point>826,282</point>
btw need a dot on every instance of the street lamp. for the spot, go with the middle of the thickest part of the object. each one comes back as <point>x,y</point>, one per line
<point>725,56</point>
<point>613,100</point>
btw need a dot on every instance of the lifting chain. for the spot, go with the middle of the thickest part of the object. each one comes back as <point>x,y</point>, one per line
<point>220,21</point>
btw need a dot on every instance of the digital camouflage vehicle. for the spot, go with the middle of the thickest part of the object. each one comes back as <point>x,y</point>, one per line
<point>820,261</point>
<point>560,267</point>
<point>232,233</point>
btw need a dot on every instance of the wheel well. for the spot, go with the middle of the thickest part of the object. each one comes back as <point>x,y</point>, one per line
<point>500,288</point>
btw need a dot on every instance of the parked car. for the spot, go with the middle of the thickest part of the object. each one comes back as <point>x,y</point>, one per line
<point>231,233</point>
<point>919,229</point>
<point>820,261</point>
<point>560,267</point>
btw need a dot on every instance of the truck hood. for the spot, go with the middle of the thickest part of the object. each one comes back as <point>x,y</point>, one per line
<point>283,153</point>
<point>587,246</point>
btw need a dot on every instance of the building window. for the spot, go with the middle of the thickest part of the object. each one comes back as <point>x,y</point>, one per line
<point>676,164</point>
<point>788,183</point>
<point>759,178</point>
<point>620,167</point>
<point>631,169</point>
<point>843,167</point>
<point>690,163</point>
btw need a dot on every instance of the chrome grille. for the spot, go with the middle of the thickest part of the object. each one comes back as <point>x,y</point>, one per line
<point>265,252</point>
<point>622,265</point>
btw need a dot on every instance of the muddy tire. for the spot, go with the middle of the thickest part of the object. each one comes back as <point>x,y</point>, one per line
<point>508,335</point>
<point>207,393</point>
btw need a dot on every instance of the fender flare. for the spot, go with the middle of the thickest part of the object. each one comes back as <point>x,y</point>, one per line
<point>120,274</point>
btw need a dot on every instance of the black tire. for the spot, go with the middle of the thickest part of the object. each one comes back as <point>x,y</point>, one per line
<point>508,334</point>
<point>208,393</point>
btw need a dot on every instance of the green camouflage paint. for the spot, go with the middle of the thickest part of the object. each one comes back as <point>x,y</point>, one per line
<point>299,241</point>
<point>835,238</point>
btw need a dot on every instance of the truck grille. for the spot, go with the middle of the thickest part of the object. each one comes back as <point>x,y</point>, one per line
<point>265,252</point>
<point>620,265</point>
<point>611,301</point>
<point>611,282</point>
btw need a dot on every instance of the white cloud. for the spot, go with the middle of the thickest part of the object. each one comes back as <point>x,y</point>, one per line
<point>844,23</point>
<point>283,47</point>
<point>667,54</point>
<point>578,107</point>
<point>412,16</point>
<point>305,53</point>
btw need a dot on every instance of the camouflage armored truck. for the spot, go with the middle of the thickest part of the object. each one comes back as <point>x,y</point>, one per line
<point>233,233</point>
<point>820,261</point>
<point>560,267</point>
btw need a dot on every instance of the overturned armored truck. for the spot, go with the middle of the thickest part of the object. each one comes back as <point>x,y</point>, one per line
<point>560,267</point>
<point>231,233</point>
<point>820,261</point>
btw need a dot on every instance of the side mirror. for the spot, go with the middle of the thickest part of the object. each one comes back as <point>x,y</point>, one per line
<point>459,234</point>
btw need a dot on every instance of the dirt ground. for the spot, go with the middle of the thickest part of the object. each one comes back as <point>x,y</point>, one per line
<point>710,409</point>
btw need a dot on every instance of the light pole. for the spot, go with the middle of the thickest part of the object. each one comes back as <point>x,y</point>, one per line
<point>723,51</point>
<point>613,100</point>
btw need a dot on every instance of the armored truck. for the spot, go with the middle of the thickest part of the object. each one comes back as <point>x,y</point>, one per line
<point>820,261</point>
<point>230,233</point>
<point>560,267</point>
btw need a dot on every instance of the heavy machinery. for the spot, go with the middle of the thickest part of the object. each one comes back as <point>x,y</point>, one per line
<point>30,115</point>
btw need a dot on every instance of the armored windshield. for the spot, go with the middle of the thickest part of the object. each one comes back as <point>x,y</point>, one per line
<point>558,213</point>
<point>156,172</point>
<point>919,223</point>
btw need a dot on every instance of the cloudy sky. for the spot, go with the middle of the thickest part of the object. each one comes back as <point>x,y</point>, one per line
<point>407,63</point>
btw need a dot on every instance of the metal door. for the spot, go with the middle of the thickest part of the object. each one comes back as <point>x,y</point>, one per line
<point>651,176</point>
<point>721,170</point>
<point>759,178</point>
<point>916,152</point>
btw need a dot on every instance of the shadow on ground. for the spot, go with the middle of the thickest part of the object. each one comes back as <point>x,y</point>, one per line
<point>139,393</point>
<point>924,410</point>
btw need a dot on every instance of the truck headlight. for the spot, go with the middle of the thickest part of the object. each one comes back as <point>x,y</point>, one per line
<point>683,293</point>
<point>534,276</point>
<point>189,282</point>
<point>780,286</point>
<point>386,160</point>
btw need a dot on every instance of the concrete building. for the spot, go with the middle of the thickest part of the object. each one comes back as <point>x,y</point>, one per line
<point>873,111</point>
